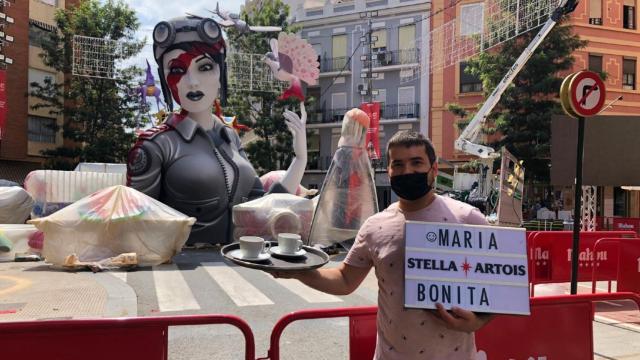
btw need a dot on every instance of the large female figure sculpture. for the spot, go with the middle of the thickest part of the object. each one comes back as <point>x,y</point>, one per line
<point>193,162</point>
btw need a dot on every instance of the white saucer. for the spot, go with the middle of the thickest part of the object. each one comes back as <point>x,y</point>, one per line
<point>276,251</point>
<point>237,254</point>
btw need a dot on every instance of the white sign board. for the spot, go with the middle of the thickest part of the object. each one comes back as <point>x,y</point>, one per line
<point>478,268</point>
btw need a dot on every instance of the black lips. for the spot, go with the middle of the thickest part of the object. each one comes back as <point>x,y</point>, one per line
<point>195,95</point>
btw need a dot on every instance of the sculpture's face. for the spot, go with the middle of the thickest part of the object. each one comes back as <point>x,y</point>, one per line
<point>193,78</point>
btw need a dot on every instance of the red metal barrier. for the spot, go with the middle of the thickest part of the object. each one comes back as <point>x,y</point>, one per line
<point>104,339</point>
<point>560,327</point>
<point>550,259</point>
<point>362,329</point>
<point>627,269</point>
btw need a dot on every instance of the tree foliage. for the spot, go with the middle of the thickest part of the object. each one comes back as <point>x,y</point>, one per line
<point>523,116</point>
<point>262,111</point>
<point>99,113</point>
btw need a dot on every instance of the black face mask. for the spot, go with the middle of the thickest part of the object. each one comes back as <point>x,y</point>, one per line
<point>411,186</point>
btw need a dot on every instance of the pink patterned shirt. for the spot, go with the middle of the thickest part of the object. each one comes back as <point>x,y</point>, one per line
<point>409,333</point>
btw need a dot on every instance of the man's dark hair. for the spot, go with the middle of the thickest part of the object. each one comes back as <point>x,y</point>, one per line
<point>408,138</point>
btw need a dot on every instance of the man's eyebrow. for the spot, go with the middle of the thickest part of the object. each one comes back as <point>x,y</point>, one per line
<point>416,158</point>
<point>202,58</point>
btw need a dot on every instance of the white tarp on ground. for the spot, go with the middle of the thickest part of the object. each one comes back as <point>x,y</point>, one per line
<point>18,238</point>
<point>52,190</point>
<point>110,222</point>
<point>102,168</point>
<point>15,205</point>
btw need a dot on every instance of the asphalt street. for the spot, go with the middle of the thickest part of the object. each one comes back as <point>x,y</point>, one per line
<point>200,281</point>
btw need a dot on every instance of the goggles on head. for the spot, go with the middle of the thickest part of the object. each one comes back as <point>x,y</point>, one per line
<point>164,33</point>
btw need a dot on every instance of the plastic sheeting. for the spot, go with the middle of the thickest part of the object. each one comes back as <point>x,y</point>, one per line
<point>114,221</point>
<point>52,190</point>
<point>18,236</point>
<point>273,214</point>
<point>348,195</point>
<point>15,205</point>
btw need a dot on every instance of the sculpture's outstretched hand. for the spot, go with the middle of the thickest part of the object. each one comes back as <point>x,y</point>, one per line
<point>296,125</point>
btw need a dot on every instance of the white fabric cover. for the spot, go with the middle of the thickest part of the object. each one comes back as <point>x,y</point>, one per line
<point>18,235</point>
<point>273,214</point>
<point>114,221</point>
<point>15,205</point>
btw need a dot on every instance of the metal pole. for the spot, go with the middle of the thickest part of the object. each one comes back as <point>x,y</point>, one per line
<point>577,207</point>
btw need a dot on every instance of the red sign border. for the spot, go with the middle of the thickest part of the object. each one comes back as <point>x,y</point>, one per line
<point>575,105</point>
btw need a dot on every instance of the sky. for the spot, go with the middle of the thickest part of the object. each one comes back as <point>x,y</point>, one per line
<point>150,12</point>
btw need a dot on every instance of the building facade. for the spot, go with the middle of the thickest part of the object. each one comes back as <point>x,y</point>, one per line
<point>339,32</point>
<point>610,27</point>
<point>27,132</point>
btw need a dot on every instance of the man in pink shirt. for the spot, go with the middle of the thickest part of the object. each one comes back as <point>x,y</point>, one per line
<point>405,333</point>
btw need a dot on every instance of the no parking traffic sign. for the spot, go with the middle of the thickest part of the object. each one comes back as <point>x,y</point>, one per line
<point>582,94</point>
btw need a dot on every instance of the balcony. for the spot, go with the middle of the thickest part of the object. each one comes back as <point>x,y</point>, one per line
<point>399,111</point>
<point>322,163</point>
<point>387,112</point>
<point>397,57</point>
<point>335,64</point>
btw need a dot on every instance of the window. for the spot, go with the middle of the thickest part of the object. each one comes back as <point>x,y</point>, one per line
<point>595,63</point>
<point>629,14</point>
<point>313,149</point>
<point>629,74</point>
<point>468,83</point>
<point>41,77</point>
<point>471,19</point>
<point>339,52</point>
<point>382,99</point>
<point>42,129</point>
<point>39,33</point>
<point>406,102</point>
<point>318,49</point>
<point>50,2</point>
<point>338,106</point>
<point>379,45</point>
<point>407,44</point>
<point>595,12</point>
<point>620,201</point>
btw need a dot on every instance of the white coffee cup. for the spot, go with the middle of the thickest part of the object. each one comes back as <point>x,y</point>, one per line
<point>253,246</point>
<point>289,243</point>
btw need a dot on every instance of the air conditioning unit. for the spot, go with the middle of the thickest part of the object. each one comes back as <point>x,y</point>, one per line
<point>384,58</point>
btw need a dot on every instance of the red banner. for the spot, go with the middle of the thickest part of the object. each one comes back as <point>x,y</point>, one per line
<point>373,133</point>
<point>626,224</point>
<point>3,101</point>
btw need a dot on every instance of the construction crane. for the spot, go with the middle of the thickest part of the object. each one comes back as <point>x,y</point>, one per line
<point>466,142</point>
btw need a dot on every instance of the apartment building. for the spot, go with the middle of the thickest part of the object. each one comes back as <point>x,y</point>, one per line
<point>610,26</point>
<point>27,132</point>
<point>338,32</point>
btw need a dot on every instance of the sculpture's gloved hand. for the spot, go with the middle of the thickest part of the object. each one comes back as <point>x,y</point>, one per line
<point>296,125</point>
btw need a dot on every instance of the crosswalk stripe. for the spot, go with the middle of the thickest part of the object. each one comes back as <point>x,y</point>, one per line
<point>307,293</point>
<point>172,291</point>
<point>120,275</point>
<point>235,286</point>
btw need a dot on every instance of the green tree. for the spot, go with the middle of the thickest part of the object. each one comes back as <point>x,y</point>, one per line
<point>262,111</point>
<point>522,118</point>
<point>99,113</point>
